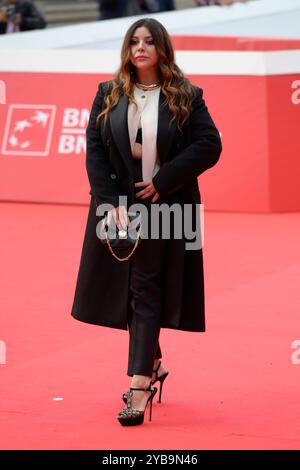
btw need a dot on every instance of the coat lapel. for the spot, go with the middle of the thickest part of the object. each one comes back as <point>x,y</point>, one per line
<point>119,129</point>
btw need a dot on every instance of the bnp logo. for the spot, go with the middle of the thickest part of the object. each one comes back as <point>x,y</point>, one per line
<point>28,130</point>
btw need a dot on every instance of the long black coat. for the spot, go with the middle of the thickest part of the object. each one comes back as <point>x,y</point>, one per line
<point>102,289</point>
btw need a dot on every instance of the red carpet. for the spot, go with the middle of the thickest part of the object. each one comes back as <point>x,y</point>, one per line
<point>234,387</point>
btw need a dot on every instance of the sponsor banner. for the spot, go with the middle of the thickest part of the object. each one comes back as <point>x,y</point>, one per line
<point>42,136</point>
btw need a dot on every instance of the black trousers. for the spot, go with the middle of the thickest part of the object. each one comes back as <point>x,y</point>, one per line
<point>146,275</point>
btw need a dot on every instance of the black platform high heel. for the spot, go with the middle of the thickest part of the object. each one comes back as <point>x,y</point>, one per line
<point>132,417</point>
<point>160,379</point>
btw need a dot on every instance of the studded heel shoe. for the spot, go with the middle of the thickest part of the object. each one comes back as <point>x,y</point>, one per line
<point>130,416</point>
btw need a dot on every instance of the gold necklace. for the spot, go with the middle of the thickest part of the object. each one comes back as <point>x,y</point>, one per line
<point>152,86</point>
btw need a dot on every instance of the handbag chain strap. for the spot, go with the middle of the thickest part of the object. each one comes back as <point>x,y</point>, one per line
<point>132,251</point>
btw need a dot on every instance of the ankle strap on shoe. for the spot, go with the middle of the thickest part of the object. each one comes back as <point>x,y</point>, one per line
<point>145,389</point>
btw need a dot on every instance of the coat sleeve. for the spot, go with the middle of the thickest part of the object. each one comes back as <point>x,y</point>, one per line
<point>202,153</point>
<point>103,187</point>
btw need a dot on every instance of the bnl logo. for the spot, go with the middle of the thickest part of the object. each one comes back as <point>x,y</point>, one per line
<point>2,92</point>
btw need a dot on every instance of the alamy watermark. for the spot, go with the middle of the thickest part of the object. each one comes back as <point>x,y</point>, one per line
<point>166,221</point>
<point>296,94</point>
<point>2,352</point>
<point>295,356</point>
<point>2,92</point>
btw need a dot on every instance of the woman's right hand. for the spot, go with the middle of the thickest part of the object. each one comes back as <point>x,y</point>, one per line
<point>120,216</point>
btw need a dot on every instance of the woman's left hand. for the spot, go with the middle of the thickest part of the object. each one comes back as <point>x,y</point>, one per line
<point>148,191</point>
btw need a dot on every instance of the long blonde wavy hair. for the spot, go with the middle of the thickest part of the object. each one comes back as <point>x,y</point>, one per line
<point>177,89</point>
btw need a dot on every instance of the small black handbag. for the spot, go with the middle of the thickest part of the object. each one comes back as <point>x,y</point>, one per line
<point>121,243</point>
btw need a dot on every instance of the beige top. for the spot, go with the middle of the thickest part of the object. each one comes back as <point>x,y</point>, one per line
<point>145,115</point>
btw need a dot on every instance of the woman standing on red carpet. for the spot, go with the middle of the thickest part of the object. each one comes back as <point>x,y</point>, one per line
<point>149,137</point>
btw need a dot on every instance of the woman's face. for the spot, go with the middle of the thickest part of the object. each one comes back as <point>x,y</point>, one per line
<point>143,53</point>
